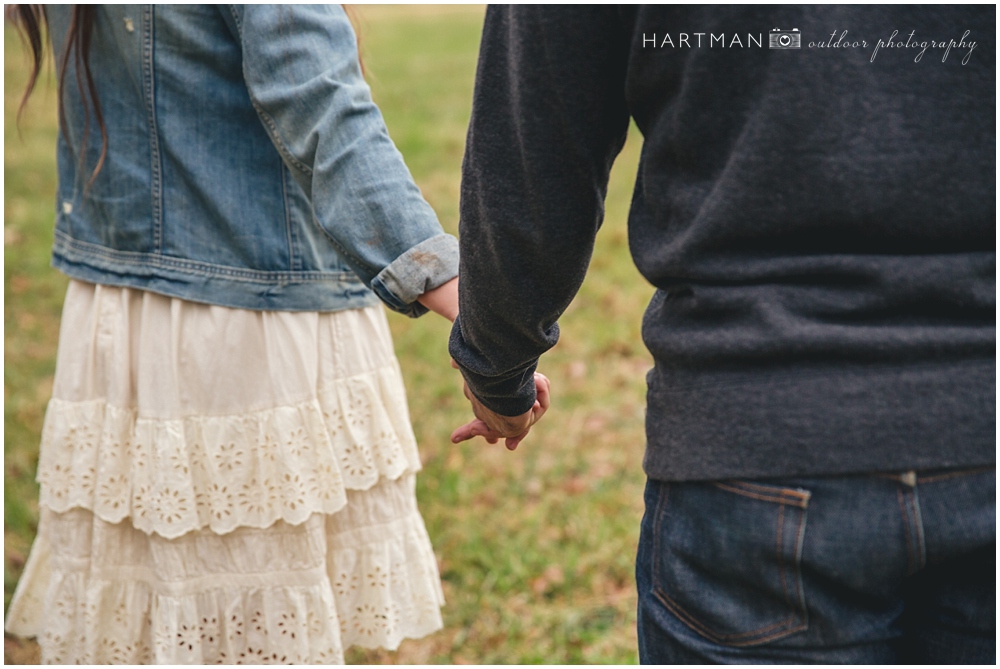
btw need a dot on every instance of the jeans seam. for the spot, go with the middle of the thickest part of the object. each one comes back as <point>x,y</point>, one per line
<point>661,500</point>
<point>952,475</point>
<point>904,512</point>
<point>920,552</point>
<point>800,537</point>
<point>780,555</point>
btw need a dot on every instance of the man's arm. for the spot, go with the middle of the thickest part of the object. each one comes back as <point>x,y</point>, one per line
<point>548,118</point>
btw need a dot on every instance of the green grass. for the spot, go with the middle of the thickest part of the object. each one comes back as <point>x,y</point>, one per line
<point>536,547</point>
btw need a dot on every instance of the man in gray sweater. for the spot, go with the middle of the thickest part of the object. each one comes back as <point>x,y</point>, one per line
<point>815,205</point>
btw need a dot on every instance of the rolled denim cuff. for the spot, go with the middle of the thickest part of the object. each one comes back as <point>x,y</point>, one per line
<point>429,264</point>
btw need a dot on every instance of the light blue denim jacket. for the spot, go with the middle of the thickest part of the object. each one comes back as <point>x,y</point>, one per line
<point>247,165</point>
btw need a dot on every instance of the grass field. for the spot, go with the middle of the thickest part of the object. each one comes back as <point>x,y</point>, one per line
<point>536,547</point>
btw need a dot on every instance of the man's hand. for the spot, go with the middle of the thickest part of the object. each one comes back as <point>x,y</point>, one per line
<point>492,426</point>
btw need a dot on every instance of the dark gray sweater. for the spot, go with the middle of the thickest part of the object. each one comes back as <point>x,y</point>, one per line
<point>819,223</point>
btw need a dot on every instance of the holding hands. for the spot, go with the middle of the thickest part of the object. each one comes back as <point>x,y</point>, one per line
<point>492,426</point>
<point>487,424</point>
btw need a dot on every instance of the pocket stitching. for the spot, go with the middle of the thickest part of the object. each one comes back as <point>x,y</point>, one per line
<point>800,500</point>
<point>661,503</point>
<point>729,639</point>
<point>797,498</point>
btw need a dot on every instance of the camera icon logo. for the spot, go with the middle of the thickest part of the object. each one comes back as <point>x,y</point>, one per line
<point>785,39</point>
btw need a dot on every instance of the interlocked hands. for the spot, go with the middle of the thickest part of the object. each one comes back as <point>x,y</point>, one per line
<point>489,425</point>
<point>493,427</point>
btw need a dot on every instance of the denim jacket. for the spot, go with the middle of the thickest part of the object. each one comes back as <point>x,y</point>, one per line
<point>247,165</point>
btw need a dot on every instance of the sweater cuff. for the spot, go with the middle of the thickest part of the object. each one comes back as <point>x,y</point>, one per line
<point>509,394</point>
<point>431,263</point>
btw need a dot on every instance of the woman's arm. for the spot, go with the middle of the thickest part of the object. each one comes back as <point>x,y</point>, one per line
<point>442,300</point>
<point>300,65</point>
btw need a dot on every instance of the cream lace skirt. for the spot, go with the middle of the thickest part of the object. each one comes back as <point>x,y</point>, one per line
<point>222,485</point>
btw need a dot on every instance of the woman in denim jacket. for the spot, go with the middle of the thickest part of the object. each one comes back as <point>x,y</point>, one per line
<point>227,465</point>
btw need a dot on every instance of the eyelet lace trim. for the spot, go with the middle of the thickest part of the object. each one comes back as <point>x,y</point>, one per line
<point>172,476</point>
<point>372,594</point>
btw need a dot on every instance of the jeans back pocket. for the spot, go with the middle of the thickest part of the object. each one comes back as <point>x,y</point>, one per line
<point>727,559</point>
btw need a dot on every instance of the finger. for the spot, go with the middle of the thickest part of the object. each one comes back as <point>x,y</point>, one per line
<point>543,391</point>
<point>512,442</point>
<point>504,426</point>
<point>463,433</point>
<point>475,428</point>
<point>537,411</point>
<point>454,364</point>
<point>483,430</point>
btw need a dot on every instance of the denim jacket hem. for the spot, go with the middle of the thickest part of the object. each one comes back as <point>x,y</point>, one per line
<point>199,282</point>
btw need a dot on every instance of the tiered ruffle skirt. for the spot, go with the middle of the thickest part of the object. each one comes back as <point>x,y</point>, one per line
<point>223,485</point>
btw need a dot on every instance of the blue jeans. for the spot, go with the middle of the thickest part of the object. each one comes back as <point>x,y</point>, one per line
<point>880,568</point>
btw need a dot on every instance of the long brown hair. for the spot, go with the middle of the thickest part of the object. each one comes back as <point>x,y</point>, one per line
<point>30,20</point>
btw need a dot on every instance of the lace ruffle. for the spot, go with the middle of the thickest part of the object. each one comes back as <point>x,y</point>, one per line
<point>286,594</point>
<point>175,475</point>
<point>224,486</point>
<point>277,625</point>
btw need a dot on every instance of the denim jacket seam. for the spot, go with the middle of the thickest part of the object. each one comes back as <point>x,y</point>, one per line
<point>279,143</point>
<point>236,18</point>
<point>272,129</point>
<point>136,258</point>
<point>289,233</point>
<point>265,118</point>
<point>149,81</point>
<point>340,248</point>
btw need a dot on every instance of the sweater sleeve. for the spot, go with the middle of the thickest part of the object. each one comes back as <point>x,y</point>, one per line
<point>549,116</point>
<point>301,68</point>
